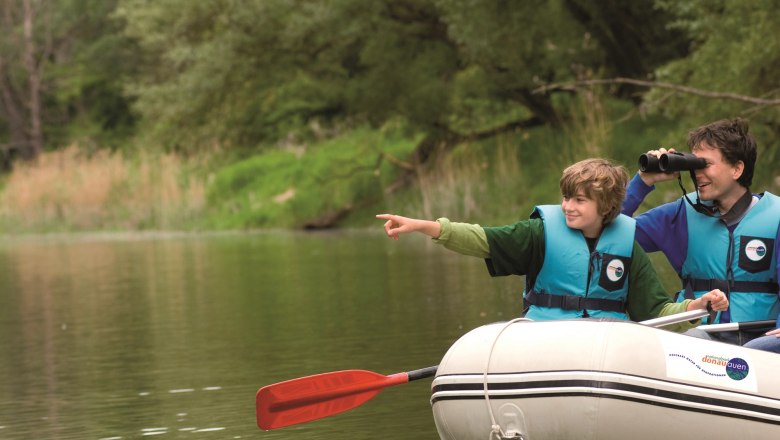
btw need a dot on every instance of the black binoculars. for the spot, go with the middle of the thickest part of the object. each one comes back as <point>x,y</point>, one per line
<point>670,162</point>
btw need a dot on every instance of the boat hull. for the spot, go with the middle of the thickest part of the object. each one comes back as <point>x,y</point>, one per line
<point>603,380</point>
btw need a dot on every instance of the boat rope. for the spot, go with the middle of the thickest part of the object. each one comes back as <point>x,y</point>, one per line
<point>495,428</point>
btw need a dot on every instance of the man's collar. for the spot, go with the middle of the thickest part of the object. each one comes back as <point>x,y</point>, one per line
<point>735,214</point>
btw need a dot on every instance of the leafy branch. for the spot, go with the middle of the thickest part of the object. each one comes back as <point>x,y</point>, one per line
<point>572,86</point>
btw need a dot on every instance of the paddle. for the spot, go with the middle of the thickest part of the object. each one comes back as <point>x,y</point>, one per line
<point>737,326</point>
<point>322,395</point>
<point>676,318</point>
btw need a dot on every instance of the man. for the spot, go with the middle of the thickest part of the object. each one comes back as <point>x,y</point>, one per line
<point>721,235</point>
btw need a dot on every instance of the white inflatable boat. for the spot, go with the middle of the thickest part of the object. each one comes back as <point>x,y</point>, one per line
<point>603,380</point>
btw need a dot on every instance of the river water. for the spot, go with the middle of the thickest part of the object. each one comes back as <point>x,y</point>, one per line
<point>128,336</point>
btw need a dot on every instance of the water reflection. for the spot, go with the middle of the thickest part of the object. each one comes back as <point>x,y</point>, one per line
<point>129,336</point>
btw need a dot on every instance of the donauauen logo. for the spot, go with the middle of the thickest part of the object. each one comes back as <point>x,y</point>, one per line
<point>736,368</point>
<point>615,270</point>
<point>755,250</point>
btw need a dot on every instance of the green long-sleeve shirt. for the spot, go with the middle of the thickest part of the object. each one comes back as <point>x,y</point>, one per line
<point>518,249</point>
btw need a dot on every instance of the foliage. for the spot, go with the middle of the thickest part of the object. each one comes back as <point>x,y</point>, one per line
<point>248,73</point>
<point>731,52</point>
<point>293,97</point>
<point>262,70</point>
<point>244,74</point>
<point>292,186</point>
<point>82,59</point>
<point>500,180</point>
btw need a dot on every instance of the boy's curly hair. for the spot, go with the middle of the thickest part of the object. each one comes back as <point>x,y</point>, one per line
<point>600,180</point>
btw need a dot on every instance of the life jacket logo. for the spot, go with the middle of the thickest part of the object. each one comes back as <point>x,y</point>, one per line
<point>755,250</point>
<point>615,270</point>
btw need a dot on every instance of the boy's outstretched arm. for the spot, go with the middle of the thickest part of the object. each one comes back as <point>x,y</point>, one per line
<point>397,225</point>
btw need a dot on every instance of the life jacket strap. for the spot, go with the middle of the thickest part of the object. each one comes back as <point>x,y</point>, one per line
<point>705,285</point>
<point>572,302</point>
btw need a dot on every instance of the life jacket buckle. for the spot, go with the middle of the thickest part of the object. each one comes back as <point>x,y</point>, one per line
<point>571,302</point>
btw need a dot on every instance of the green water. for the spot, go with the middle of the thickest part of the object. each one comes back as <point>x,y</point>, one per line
<point>171,335</point>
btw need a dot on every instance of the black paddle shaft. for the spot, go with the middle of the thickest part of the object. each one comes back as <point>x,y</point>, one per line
<point>422,373</point>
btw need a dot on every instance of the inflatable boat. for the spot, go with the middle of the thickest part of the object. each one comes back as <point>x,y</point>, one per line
<point>602,380</point>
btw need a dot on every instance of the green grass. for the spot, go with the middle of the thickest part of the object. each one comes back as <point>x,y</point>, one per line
<point>289,187</point>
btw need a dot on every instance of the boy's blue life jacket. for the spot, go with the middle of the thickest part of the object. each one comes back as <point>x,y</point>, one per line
<point>575,283</point>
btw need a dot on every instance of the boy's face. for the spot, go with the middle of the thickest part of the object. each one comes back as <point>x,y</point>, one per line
<point>582,213</point>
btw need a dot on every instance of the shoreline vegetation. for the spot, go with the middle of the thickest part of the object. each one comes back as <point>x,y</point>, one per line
<point>343,180</point>
<point>223,115</point>
<point>73,190</point>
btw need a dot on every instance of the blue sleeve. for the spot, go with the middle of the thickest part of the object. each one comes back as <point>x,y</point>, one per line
<point>777,268</point>
<point>664,228</point>
<point>635,194</point>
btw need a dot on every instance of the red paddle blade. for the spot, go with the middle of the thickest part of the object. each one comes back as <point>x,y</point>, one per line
<point>315,397</point>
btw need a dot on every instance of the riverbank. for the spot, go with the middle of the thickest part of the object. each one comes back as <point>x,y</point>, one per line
<point>341,181</point>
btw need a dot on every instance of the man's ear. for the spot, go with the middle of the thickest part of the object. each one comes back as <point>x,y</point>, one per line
<point>739,168</point>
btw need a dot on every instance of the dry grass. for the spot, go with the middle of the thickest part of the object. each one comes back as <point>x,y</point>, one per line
<point>72,190</point>
<point>589,127</point>
<point>464,186</point>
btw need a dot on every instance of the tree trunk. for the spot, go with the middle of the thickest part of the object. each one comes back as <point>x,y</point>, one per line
<point>34,83</point>
<point>10,108</point>
<point>11,113</point>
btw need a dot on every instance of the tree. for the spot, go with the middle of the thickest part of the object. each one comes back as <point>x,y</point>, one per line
<point>21,73</point>
<point>635,37</point>
<point>244,73</point>
<point>61,70</point>
<point>733,50</point>
<point>87,81</point>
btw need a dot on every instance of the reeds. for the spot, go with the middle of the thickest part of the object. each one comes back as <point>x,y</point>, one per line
<point>503,179</point>
<point>475,184</point>
<point>71,190</point>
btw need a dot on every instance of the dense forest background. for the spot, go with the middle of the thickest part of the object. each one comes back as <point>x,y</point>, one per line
<point>216,114</point>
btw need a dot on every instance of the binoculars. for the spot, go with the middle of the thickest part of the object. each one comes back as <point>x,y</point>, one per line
<point>670,162</point>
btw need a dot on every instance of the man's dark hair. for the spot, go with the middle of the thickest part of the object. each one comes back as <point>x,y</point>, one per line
<point>731,137</point>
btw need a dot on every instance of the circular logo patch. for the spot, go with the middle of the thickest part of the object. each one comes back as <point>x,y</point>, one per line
<point>737,368</point>
<point>615,270</point>
<point>755,250</point>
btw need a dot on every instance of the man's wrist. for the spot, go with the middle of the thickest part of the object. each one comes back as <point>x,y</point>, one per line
<point>647,179</point>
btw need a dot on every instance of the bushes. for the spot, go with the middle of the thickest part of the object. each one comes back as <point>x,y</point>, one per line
<point>291,186</point>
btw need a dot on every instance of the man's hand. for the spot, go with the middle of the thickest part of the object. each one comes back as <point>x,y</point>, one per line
<point>651,179</point>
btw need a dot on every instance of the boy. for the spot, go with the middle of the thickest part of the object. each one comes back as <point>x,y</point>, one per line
<point>579,258</point>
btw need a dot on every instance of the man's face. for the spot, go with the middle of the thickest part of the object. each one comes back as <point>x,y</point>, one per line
<point>718,180</point>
